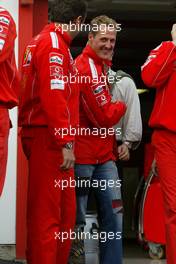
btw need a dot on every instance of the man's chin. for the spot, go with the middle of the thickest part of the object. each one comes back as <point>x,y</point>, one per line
<point>105,57</point>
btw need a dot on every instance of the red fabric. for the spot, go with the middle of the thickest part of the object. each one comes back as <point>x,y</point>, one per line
<point>165,153</point>
<point>154,222</point>
<point>48,103</point>
<point>50,209</point>
<point>116,203</point>
<point>9,83</point>
<point>148,159</point>
<point>45,99</point>
<point>4,133</point>
<point>159,72</point>
<point>96,110</point>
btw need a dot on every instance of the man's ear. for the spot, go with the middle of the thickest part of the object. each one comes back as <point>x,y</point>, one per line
<point>90,36</point>
<point>79,20</point>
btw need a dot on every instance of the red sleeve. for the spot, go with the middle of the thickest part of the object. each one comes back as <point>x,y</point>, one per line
<point>96,99</point>
<point>7,35</point>
<point>100,109</point>
<point>53,68</point>
<point>159,65</point>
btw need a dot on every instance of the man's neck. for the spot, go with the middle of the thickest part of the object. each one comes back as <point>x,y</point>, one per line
<point>68,28</point>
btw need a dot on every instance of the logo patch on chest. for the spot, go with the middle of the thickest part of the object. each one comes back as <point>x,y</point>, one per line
<point>56,58</point>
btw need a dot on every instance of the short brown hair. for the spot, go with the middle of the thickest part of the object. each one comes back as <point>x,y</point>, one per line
<point>95,23</point>
<point>65,11</point>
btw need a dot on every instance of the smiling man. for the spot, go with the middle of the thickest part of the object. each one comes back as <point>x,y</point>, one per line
<point>95,158</point>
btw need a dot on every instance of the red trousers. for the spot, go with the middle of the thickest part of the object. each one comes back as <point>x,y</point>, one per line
<point>4,134</point>
<point>165,153</point>
<point>50,209</point>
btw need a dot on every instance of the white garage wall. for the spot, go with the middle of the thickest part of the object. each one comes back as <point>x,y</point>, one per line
<point>8,198</point>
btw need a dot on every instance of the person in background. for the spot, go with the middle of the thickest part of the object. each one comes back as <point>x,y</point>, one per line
<point>130,125</point>
<point>159,72</point>
<point>48,108</point>
<point>9,84</point>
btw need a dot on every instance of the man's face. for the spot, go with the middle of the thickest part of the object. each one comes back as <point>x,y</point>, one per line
<point>103,43</point>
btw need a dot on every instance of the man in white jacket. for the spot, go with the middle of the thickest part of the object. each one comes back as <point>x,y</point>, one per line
<point>130,125</point>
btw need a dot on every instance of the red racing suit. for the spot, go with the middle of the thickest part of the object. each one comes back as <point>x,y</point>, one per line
<point>9,83</point>
<point>159,72</point>
<point>48,105</point>
<point>51,101</point>
<point>97,111</point>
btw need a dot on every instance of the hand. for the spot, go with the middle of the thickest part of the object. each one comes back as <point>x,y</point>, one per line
<point>173,33</point>
<point>68,159</point>
<point>123,151</point>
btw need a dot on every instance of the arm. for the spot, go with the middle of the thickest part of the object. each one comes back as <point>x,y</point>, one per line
<point>123,152</point>
<point>100,109</point>
<point>52,70</point>
<point>7,35</point>
<point>131,123</point>
<point>159,65</point>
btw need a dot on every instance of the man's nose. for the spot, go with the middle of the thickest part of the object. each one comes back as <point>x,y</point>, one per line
<point>108,45</point>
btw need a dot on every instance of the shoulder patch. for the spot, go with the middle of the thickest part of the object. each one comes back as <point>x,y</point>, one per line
<point>27,57</point>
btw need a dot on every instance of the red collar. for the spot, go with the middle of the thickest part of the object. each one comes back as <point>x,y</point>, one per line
<point>58,29</point>
<point>91,53</point>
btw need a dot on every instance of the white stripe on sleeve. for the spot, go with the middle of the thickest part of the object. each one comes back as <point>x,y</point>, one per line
<point>54,39</point>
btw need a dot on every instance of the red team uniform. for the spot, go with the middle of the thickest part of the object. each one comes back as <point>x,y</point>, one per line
<point>9,82</point>
<point>48,104</point>
<point>159,72</point>
<point>96,111</point>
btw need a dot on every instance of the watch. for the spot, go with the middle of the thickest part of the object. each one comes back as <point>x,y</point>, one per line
<point>69,145</point>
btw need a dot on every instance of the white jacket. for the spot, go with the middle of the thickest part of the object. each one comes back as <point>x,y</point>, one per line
<point>124,89</point>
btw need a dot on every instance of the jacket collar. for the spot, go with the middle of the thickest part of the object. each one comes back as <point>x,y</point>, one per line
<point>92,54</point>
<point>58,29</point>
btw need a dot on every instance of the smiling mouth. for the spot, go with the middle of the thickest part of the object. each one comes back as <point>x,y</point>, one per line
<point>107,51</point>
